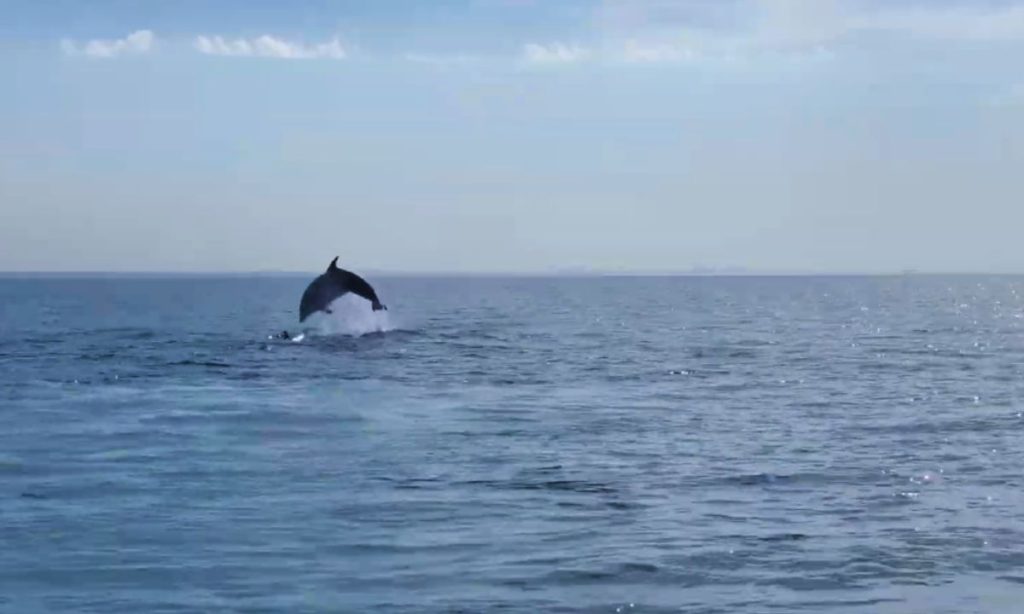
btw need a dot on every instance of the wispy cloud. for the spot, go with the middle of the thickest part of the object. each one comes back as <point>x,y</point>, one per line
<point>667,31</point>
<point>554,53</point>
<point>431,59</point>
<point>267,46</point>
<point>1012,97</point>
<point>799,21</point>
<point>965,22</point>
<point>138,42</point>
<point>636,51</point>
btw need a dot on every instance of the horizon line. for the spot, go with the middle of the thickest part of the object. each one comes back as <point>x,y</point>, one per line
<point>565,273</point>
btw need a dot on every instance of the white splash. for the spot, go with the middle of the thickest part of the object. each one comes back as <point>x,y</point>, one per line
<point>350,315</point>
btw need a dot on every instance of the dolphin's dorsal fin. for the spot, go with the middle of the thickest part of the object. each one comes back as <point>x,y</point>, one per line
<point>333,265</point>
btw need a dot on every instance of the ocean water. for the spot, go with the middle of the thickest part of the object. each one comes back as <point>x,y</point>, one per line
<point>734,445</point>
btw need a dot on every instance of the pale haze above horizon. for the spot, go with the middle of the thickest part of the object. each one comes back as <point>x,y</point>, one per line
<point>512,135</point>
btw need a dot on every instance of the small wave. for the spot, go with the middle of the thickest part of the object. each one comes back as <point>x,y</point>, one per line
<point>200,363</point>
<point>99,356</point>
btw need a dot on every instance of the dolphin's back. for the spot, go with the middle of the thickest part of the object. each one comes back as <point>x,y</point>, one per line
<point>355,284</point>
<point>318,295</point>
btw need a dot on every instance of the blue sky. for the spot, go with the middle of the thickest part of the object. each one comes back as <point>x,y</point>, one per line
<point>512,135</point>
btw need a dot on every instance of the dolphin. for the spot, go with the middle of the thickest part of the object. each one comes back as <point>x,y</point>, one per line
<point>335,282</point>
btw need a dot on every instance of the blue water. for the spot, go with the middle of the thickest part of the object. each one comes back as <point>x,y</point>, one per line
<point>734,445</point>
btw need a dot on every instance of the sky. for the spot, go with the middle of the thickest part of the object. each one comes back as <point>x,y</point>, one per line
<point>512,135</point>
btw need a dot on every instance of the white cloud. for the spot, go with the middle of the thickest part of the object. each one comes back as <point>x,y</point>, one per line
<point>267,46</point>
<point>555,53</point>
<point>663,31</point>
<point>138,42</point>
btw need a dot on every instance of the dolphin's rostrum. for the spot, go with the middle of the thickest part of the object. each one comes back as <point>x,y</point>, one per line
<point>334,283</point>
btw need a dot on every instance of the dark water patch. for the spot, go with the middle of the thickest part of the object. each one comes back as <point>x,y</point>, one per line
<point>981,424</point>
<point>599,505</point>
<point>99,356</point>
<point>771,479</point>
<point>568,486</point>
<point>624,574</point>
<point>729,353</point>
<point>785,537</point>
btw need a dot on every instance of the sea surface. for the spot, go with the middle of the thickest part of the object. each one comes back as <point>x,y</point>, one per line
<point>593,444</point>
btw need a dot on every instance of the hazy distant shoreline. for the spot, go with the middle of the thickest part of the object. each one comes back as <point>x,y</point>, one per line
<point>565,274</point>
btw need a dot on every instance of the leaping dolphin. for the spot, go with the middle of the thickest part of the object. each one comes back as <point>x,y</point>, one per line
<point>335,282</point>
